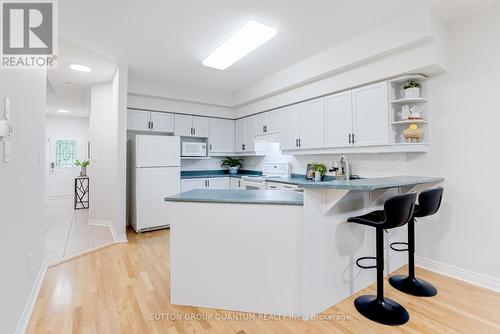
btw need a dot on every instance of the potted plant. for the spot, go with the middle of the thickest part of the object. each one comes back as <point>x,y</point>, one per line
<point>84,164</point>
<point>412,89</point>
<point>233,164</point>
<point>319,170</point>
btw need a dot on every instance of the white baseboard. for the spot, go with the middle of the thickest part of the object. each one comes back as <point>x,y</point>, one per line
<point>118,237</point>
<point>97,222</point>
<point>465,275</point>
<point>22,324</point>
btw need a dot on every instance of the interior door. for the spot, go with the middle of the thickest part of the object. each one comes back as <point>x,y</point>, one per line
<point>153,185</point>
<point>311,124</point>
<point>64,151</point>
<point>371,115</point>
<point>338,120</point>
<point>289,128</point>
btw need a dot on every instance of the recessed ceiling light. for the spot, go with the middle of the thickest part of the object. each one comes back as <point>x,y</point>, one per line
<point>64,111</point>
<point>80,67</point>
<point>248,38</point>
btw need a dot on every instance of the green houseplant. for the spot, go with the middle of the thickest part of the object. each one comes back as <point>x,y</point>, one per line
<point>233,164</point>
<point>83,164</point>
<point>412,89</point>
<point>319,171</point>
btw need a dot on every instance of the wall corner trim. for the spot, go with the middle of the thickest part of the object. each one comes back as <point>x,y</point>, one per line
<point>24,320</point>
<point>462,274</point>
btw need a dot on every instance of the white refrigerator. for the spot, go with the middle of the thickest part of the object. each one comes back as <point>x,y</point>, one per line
<point>155,172</point>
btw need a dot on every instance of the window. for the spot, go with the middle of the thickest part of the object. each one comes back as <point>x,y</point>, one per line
<point>65,153</point>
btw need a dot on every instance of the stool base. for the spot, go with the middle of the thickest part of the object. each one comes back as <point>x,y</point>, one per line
<point>413,286</point>
<point>386,312</point>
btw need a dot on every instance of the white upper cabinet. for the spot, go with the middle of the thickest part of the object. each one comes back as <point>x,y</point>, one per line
<point>138,120</point>
<point>338,120</point>
<point>162,122</point>
<point>311,124</point>
<point>200,126</point>
<point>289,128</point>
<point>191,126</point>
<point>222,136</point>
<point>371,115</point>
<point>240,126</point>
<point>267,123</point>
<point>183,125</point>
<point>250,132</point>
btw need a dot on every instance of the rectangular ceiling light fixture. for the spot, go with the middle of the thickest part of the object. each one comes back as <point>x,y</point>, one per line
<point>252,35</point>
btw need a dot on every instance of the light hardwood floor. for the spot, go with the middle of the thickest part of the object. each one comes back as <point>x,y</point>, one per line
<point>120,289</point>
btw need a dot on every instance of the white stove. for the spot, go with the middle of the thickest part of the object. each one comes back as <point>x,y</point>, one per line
<point>269,171</point>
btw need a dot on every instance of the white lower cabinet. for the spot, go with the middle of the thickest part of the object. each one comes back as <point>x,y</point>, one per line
<point>236,183</point>
<point>205,183</point>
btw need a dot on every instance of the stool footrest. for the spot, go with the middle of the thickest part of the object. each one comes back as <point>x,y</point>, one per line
<point>399,244</point>
<point>366,258</point>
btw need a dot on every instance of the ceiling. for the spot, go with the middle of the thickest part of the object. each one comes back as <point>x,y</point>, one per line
<point>68,89</point>
<point>166,40</point>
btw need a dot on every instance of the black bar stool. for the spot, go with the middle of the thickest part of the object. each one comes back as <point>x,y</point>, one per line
<point>398,210</point>
<point>429,202</point>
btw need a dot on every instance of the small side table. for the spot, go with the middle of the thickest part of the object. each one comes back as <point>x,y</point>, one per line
<point>82,192</point>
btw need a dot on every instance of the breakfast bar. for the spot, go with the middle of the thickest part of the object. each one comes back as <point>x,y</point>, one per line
<point>279,252</point>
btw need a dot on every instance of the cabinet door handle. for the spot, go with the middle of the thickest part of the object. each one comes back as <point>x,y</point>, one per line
<point>296,143</point>
<point>152,125</point>
<point>208,183</point>
<point>210,147</point>
<point>264,129</point>
<point>353,140</point>
<point>243,147</point>
<point>194,131</point>
<point>350,141</point>
<point>300,142</point>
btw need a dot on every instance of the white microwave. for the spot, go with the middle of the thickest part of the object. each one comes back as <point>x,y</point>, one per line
<point>192,149</point>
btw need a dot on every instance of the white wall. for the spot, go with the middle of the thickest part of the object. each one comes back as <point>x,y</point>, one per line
<point>464,150</point>
<point>103,136</point>
<point>21,195</point>
<point>61,125</point>
<point>364,165</point>
<point>108,137</point>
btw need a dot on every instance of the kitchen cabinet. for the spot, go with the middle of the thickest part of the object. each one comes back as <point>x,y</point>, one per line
<point>162,122</point>
<point>267,123</point>
<point>338,120</point>
<point>235,183</point>
<point>222,136</point>
<point>219,183</point>
<point>302,126</point>
<point>245,134</point>
<point>191,126</point>
<point>205,183</point>
<point>289,129</point>
<point>139,120</point>
<point>190,184</point>
<point>371,115</point>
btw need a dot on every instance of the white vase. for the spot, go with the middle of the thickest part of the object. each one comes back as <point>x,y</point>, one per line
<point>317,175</point>
<point>83,171</point>
<point>412,93</point>
<point>233,170</point>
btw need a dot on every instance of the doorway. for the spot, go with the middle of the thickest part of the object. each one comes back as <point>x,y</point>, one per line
<point>63,153</point>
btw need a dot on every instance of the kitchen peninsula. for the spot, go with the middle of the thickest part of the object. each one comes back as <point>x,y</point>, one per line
<point>279,252</point>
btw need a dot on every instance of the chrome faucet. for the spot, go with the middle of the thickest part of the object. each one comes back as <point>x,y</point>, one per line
<point>345,168</point>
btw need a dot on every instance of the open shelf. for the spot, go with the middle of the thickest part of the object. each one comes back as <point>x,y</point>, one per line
<point>410,121</point>
<point>398,114</point>
<point>410,101</point>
